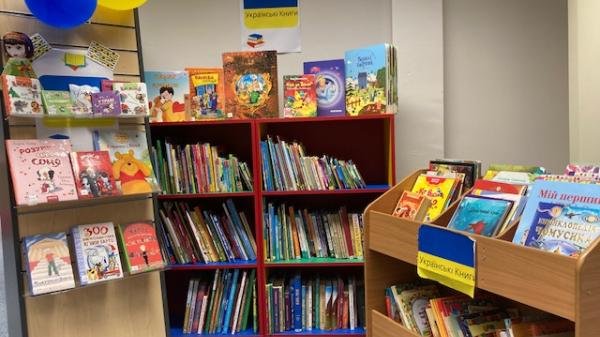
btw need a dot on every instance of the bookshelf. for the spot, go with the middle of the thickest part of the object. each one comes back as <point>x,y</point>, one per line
<point>564,286</point>
<point>367,140</point>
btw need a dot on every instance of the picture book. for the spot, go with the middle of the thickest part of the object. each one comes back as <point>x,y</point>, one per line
<point>97,252</point>
<point>438,190</point>
<point>500,187</point>
<point>471,169</point>
<point>106,103</point>
<point>166,91</point>
<point>93,174</point>
<point>581,169</point>
<point>41,170</point>
<point>412,206</point>
<point>107,85</point>
<point>81,96</point>
<point>22,96</point>
<point>48,263</point>
<point>57,102</point>
<point>207,93</point>
<point>300,99</point>
<point>134,98</point>
<point>140,247</point>
<point>513,174</point>
<point>250,80</point>
<point>131,164</point>
<point>329,86</point>
<point>480,215</point>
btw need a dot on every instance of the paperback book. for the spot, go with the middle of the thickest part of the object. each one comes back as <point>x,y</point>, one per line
<point>300,96</point>
<point>439,190</point>
<point>412,206</point>
<point>81,96</point>
<point>134,98</point>
<point>167,91</point>
<point>207,93</point>
<point>57,102</point>
<point>106,103</point>
<point>22,96</point>
<point>140,247</point>
<point>329,86</point>
<point>479,215</point>
<point>93,174</point>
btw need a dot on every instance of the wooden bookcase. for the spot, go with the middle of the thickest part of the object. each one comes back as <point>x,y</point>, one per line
<point>564,286</point>
<point>367,140</point>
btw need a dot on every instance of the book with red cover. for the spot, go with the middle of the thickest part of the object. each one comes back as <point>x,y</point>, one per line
<point>300,97</point>
<point>346,227</point>
<point>412,206</point>
<point>93,174</point>
<point>500,187</point>
<point>140,247</point>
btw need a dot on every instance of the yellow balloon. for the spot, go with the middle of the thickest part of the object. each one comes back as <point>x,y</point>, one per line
<point>121,5</point>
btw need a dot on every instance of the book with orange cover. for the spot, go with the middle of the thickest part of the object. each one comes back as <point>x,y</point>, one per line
<point>207,93</point>
<point>412,206</point>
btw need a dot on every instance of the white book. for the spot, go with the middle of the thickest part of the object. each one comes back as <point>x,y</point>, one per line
<point>309,307</point>
<point>202,313</point>
<point>238,303</point>
<point>351,304</point>
<point>97,252</point>
<point>190,321</point>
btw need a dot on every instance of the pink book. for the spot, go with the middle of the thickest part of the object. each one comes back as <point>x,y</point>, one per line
<point>41,170</point>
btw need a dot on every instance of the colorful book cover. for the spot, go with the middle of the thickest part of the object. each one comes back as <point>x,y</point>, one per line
<point>57,102</point>
<point>367,80</point>
<point>207,93</point>
<point>329,86</point>
<point>480,215</point>
<point>140,247</point>
<point>81,96</point>
<point>106,103</point>
<point>167,91</point>
<point>469,168</point>
<point>93,174</point>
<point>97,252</point>
<point>48,263</point>
<point>513,174</point>
<point>299,95</point>
<point>22,96</point>
<point>131,164</point>
<point>251,84</point>
<point>134,98</point>
<point>438,190</point>
<point>107,85</point>
<point>581,170</point>
<point>412,206</point>
<point>41,170</point>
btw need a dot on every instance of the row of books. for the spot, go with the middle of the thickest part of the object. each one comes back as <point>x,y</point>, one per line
<point>193,235</point>
<point>286,167</point>
<point>96,248</point>
<point>47,170</point>
<point>302,304</point>
<point>421,309</point>
<point>227,305</point>
<point>198,168</point>
<point>291,233</point>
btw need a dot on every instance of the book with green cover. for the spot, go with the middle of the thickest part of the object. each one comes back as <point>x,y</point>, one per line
<point>57,102</point>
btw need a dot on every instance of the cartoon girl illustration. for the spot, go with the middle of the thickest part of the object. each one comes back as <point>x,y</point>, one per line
<point>18,50</point>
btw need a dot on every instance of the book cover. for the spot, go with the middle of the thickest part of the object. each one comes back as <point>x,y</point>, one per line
<point>131,164</point>
<point>329,86</point>
<point>134,98</point>
<point>412,206</point>
<point>167,91</point>
<point>438,190</point>
<point>207,93</point>
<point>93,174</point>
<point>480,215</point>
<point>471,169</point>
<point>57,102</point>
<point>41,170</point>
<point>414,303</point>
<point>48,263</point>
<point>22,96</point>
<point>106,103</point>
<point>300,98</point>
<point>140,247</point>
<point>366,80</point>
<point>107,85</point>
<point>81,96</point>
<point>251,84</point>
<point>97,252</point>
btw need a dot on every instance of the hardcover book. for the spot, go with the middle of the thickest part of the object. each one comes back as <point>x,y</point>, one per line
<point>106,103</point>
<point>57,102</point>
<point>97,252</point>
<point>134,98</point>
<point>438,190</point>
<point>300,96</point>
<point>48,263</point>
<point>22,96</point>
<point>93,174</point>
<point>207,93</point>
<point>480,215</point>
<point>251,84</point>
<point>330,86</point>
<point>41,170</point>
<point>471,169</point>
<point>81,96</point>
<point>107,85</point>
<point>140,247</point>
<point>167,91</point>
<point>412,206</point>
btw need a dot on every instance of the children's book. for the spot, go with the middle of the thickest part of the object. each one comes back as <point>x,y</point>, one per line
<point>513,174</point>
<point>57,102</point>
<point>81,96</point>
<point>48,263</point>
<point>93,174</point>
<point>22,96</point>
<point>130,158</point>
<point>167,91</point>
<point>480,215</point>
<point>471,169</point>
<point>41,170</point>
<point>412,206</point>
<point>107,85</point>
<point>438,189</point>
<point>106,103</point>
<point>581,170</point>
<point>207,93</point>
<point>97,252</point>
<point>299,95</point>
<point>329,86</point>
<point>134,98</point>
<point>140,247</point>
<point>251,84</point>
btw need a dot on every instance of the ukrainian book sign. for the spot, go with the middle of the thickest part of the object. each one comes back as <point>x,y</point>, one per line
<point>270,25</point>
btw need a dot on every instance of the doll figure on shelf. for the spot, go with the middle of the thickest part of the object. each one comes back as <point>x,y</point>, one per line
<point>18,51</point>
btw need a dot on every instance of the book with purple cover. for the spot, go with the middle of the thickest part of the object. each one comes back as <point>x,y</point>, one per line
<point>106,103</point>
<point>330,87</point>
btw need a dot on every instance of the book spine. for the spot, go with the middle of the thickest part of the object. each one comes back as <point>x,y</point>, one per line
<point>80,255</point>
<point>297,305</point>
<point>228,307</point>
<point>188,304</point>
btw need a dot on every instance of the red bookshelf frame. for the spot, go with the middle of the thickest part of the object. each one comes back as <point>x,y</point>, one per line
<point>367,140</point>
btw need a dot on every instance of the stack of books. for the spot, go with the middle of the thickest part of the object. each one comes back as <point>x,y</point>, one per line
<point>192,235</point>
<point>292,234</point>
<point>286,167</point>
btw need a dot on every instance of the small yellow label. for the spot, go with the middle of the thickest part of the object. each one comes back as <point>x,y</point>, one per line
<point>446,272</point>
<point>203,79</point>
<point>268,18</point>
<point>73,122</point>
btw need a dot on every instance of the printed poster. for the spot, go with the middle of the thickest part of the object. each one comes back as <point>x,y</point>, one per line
<point>270,25</point>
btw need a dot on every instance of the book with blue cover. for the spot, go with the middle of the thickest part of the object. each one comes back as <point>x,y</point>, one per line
<point>480,215</point>
<point>330,88</point>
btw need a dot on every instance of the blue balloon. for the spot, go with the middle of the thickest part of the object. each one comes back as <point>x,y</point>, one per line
<point>62,13</point>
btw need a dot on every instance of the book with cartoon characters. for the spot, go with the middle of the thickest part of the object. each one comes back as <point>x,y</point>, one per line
<point>140,247</point>
<point>207,93</point>
<point>329,86</point>
<point>300,96</point>
<point>93,174</point>
<point>166,92</point>
<point>41,170</point>
<point>438,189</point>
<point>480,215</point>
<point>251,84</point>
<point>57,102</point>
<point>48,263</point>
<point>97,252</point>
<point>106,103</point>
<point>130,158</point>
<point>134,98</point>
<point>22,96</point>
<point>81,96</point>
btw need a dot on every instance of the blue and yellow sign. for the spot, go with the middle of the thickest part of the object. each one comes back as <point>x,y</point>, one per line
<point>271,25</point>
<point>447,257</point>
